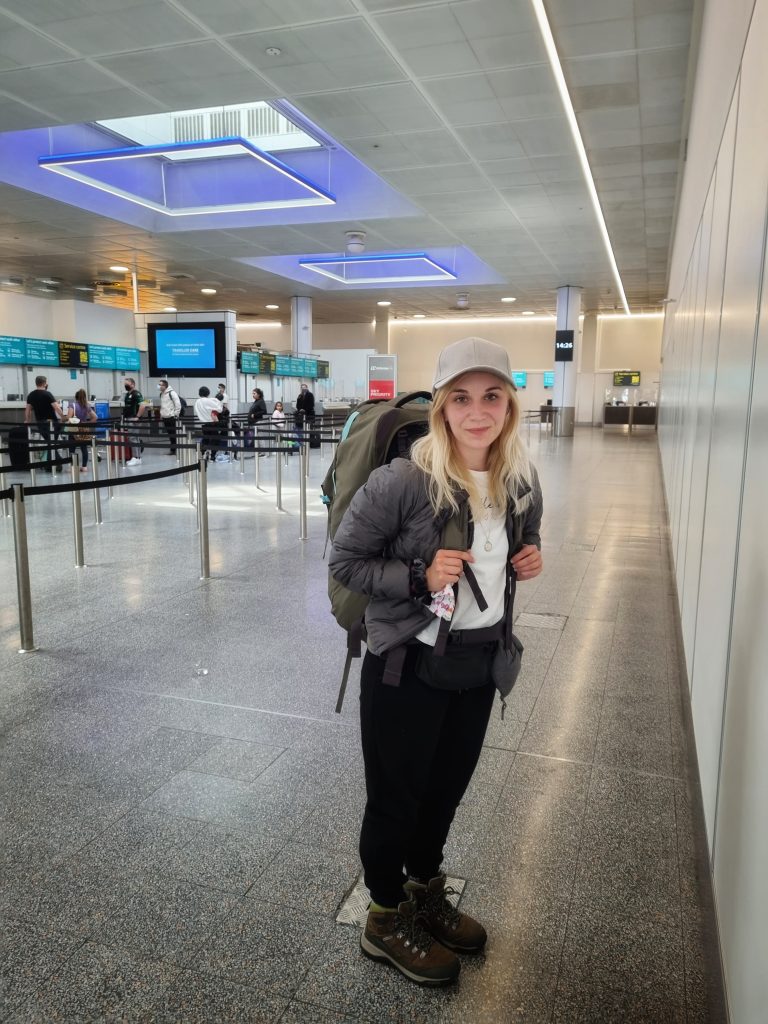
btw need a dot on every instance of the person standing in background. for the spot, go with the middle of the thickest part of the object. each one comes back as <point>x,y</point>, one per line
<point>81,412</point>
<point>45,409</point>
<point>221,394</point>
<point>305,405</point>
<point>207,412</point>
<point>131,413</point>
<point>257,411</point>
<point>170,410</point>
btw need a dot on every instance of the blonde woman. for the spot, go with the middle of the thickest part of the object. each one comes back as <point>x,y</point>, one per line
<point>440,643</point>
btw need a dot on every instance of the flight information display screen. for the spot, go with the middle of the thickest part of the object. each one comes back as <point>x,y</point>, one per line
<point>191,350</point>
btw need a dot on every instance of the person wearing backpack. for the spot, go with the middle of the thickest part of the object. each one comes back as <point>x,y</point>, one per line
<point>437,544</point>
<point>170,411</point>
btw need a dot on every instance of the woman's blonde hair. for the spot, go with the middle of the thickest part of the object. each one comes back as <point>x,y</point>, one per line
<point>509,469</point>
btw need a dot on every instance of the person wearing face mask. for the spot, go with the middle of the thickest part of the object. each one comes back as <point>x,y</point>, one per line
<point>131,412</point>
<point>170,410</point>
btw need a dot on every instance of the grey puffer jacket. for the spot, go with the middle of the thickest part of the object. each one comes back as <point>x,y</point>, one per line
<point>389,523</point>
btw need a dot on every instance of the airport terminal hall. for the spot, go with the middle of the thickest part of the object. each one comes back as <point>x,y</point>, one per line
<point>383,402</point>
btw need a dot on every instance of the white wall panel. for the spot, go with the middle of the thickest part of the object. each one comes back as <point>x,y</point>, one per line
<point>718,205</point>
<point>741,844</point>
<point>743,270</point>
<point>741,829</point>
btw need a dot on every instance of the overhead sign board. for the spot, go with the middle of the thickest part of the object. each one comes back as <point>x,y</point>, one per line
<point>323,369</point>
<point>127,359</point>
<point>626,378</point>
<point>267,362</point>
<point>13,350</point>
<point>101,357</point>
<point>73,355</point>
<point>42,353</point>
<point>250,362</point>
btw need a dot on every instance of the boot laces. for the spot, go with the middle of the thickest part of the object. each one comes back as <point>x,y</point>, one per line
<point>437,903</point>
<point>410,930</point>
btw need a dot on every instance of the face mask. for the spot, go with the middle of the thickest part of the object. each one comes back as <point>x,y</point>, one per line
<point>127,387</point>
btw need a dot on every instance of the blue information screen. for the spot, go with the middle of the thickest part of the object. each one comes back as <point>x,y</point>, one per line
<point>520,377</point>
<point>127,359</point>
<point>42,353</point>
<point>13,350</point>
<point>549,378</point>
<point>101,357</point>
<point>186,349</point>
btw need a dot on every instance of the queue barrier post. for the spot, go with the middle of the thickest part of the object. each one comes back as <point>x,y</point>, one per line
<point>304,468</point>
<point>23,587</point>
<point>192,485</point>
<point>6,503</point>
<point>77,512</point>
<point>279,483</point>
<point>202,507</point>
<point>96,490</point>
<point>108,449</point>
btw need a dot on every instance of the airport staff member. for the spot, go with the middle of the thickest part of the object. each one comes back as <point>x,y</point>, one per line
<point>132,411</point>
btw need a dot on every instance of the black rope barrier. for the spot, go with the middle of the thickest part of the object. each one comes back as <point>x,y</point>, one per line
<point>92,485</point>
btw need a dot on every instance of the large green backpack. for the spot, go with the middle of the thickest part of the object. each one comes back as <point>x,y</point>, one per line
<point>375,433</point>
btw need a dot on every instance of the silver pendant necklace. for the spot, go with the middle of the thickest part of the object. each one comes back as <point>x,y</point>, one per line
<point>484,521</point>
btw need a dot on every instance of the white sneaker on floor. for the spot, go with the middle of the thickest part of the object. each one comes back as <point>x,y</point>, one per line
<point>133,462</point>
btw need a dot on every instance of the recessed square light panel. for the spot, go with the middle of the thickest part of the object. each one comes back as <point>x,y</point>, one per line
<point>453,266</point>
<point>243,165</point>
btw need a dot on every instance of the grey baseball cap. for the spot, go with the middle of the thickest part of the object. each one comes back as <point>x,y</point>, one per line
<point>471,354</point>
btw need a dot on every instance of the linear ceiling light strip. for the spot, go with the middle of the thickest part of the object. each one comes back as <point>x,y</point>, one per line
<point>570,113</point>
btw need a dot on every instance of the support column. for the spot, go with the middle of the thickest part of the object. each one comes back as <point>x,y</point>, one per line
<point>568,310</point>
<point>585,395</point>
<point>381,331</point>
<point>301,325</point>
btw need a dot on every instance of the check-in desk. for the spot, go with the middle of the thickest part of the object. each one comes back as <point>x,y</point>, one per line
<point>12,412</point>
<point>630,416</point>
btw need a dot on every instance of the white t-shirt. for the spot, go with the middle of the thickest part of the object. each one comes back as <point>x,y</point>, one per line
<point>205,406</point>
<point>489,567</point>
<point>278,414</point>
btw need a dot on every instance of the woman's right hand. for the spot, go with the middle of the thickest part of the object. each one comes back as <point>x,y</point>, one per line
<point>446,568</point>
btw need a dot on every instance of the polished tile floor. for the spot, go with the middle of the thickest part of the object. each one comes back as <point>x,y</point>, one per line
<point>179,802</point>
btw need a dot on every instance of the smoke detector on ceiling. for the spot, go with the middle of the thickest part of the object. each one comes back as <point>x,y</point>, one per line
<point>355,242</point>
<point>462,300</point>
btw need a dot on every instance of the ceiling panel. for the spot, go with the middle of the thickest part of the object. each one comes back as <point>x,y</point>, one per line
<point>234,16</point>
<point>452,102</point>
<point>128,28</point>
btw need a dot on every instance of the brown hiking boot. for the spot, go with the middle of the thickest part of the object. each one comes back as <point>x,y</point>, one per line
<point>399,938</point>
<point>451,928</point>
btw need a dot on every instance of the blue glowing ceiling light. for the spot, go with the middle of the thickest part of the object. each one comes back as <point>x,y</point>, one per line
<point>379,268</point>
<point>226,151</point>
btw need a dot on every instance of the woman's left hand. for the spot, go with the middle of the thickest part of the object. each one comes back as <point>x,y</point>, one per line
<point>527,562</point>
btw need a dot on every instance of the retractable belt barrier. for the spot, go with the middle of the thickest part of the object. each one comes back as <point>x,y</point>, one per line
<point>268,438</point>
<point>17,495</point>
